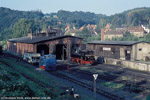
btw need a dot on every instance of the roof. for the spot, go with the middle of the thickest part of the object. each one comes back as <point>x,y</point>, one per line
<point>27,39</point>
<point>135,29</point>
<point>123,43</point>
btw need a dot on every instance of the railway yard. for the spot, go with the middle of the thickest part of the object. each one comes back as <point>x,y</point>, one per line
<point>113,82</point>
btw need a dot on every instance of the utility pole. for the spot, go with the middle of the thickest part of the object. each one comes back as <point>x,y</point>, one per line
<point>95,77</point>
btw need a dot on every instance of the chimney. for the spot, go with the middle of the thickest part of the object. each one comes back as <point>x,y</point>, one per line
<point>31,34</point>
<point>102,34</point>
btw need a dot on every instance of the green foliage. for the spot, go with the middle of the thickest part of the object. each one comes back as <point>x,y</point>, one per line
<point>12,83</point>
<point>130,18</point>
<point>97,37</point>
<point>9,17</point>
<point>85,34</point>
<point>147,38</point>
<point>127,37</point>
<point>78,19</point>
<point>18,23</point>
<point>22,27</point>
<point>68,34</point>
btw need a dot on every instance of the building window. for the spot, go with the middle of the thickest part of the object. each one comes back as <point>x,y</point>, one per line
<point>100,49</point>
<point>140,49</point>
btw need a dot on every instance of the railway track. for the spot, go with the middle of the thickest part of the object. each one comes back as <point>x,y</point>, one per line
<point>111,78</point>
<point>90,87</point>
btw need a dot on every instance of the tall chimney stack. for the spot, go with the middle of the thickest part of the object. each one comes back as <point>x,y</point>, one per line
<point>31,34</point>
<point>102,34</point>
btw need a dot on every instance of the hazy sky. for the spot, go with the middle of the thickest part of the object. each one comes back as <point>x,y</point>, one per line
<point>107,7</point>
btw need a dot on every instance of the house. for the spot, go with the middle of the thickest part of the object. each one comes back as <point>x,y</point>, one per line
<point>137,31</point>
<point>125,50</point>
<point>109,35</point>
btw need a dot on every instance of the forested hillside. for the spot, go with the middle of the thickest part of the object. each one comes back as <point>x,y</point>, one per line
<point>15,23</point>
<point>129,18</point>
<point>78,19</point>
<point>9,17</point>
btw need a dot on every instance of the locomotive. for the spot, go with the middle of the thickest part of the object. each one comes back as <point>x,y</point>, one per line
<point>48,62</point>
<point>83,57</point>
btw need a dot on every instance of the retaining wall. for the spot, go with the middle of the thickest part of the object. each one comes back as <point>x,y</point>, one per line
<point>142,66</point>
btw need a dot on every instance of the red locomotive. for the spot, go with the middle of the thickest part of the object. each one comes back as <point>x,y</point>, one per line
<point>83,57</point>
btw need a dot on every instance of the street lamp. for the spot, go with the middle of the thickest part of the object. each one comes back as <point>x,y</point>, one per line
<point>95,77</point>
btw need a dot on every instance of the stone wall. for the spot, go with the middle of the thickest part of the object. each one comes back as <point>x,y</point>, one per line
<point>142,66</point>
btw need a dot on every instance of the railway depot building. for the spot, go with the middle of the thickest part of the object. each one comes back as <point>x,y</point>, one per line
<point>45,43</point>
<point>124,50</point>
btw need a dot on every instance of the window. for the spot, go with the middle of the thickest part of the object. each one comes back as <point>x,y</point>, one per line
<point>140,49</point>
<point>100,49</point>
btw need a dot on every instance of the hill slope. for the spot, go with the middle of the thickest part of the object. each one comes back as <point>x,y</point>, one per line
<point>130,18</point>
<point>9,18</point>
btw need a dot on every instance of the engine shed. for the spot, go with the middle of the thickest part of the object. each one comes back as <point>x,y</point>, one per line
<point>61,46</point>
<point>124,50</point>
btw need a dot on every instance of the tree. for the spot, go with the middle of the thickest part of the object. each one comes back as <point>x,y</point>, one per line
<point>85,34</point>
<point>23,27</point>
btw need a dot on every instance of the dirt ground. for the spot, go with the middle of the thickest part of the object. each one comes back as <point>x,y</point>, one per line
<point>132,84</point>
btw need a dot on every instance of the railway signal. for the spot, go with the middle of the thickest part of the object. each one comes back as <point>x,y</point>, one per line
<point>95,77</point>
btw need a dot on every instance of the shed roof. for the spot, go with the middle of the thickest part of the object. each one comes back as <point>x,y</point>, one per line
<point>124,43</point>
<point>35,39</point>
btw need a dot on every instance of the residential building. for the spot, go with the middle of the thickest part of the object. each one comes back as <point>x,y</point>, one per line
<point>137,31</point>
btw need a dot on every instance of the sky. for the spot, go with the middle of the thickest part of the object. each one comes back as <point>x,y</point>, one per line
<point>107,7</point>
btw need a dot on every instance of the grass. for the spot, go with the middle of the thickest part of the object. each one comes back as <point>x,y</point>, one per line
<point>16,85</point>
<point>12,83</point>
<point>112,85</point>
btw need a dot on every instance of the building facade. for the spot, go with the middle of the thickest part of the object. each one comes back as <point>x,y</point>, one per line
<point>137,31</point>
<point>108,34</point>
<point>125,50</point>
<point>58,45</point>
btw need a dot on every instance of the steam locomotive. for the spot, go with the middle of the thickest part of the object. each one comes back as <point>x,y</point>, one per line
<point>83,57</point>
